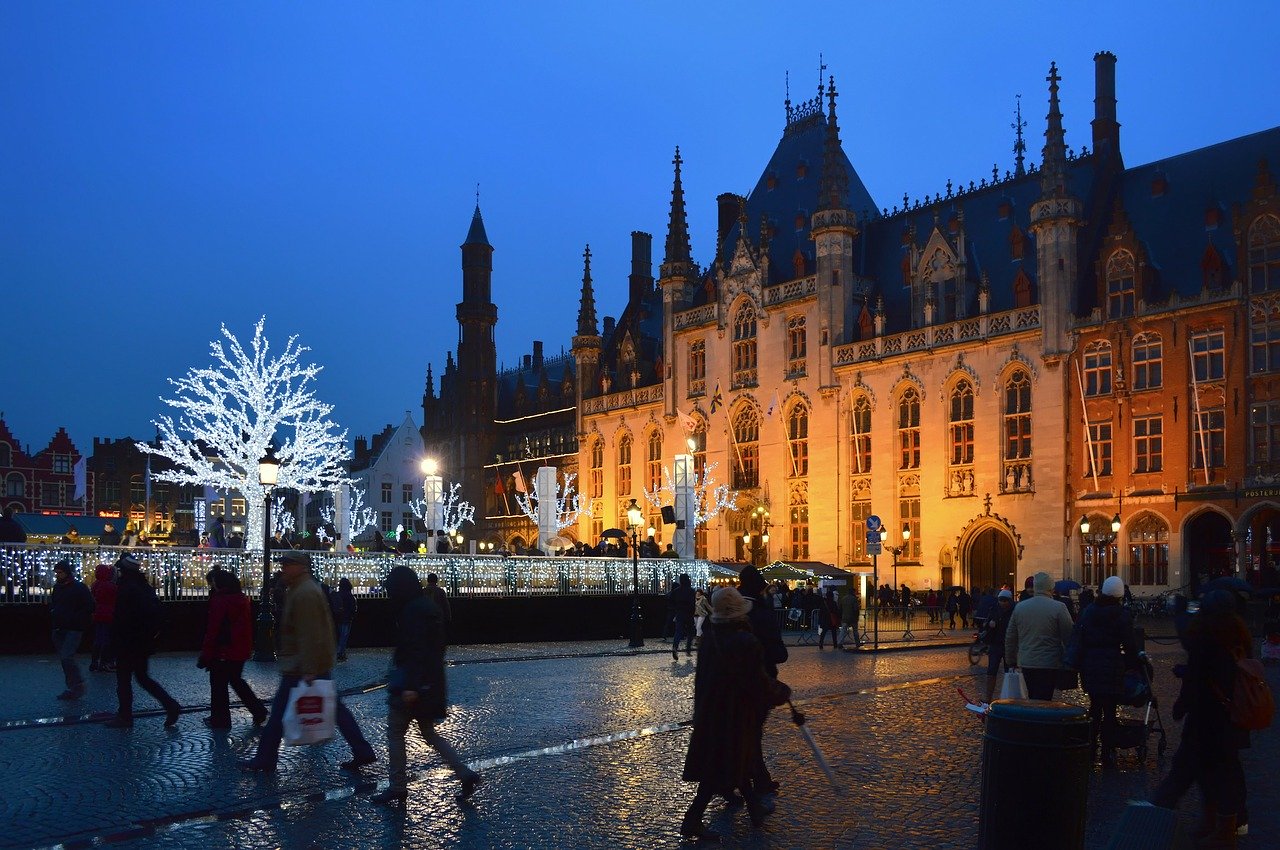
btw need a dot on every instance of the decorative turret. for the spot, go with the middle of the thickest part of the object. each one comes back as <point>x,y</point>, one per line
<point>587,343</point>
<point>834,229</point>
<point>678,261</point>
<point>675,277</point>
<point>1019,146</point>
<point>834,187</point>
<point>1053,170</point>
<point>587,304</point>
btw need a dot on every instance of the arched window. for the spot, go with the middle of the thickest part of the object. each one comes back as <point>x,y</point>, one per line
<point>1120,288</point>
<point>699,447</point>
<point>860,435</point>
<point>1099,553</point>
<point>746,455</point>
<point>1148,361</point>
<point>798,440</point>
<point>744,347</point>
<point>961,422</point>
<point>909,430</point>
<point>1149,551</point>
<point>1097,368</point>
<point>15,486</point>
<point>1017,432</point>
<point>1264,254</point>
<point>597,468</point>
<point>697,368</point>
<point>623,480</point>
<point>797,346</point>
<point>653,464</point>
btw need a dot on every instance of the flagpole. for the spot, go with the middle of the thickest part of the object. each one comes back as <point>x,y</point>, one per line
<point>1195,398</point>
<point>1088,435</point>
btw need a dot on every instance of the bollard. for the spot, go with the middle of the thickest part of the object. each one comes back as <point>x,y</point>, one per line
<point>1035,776</point>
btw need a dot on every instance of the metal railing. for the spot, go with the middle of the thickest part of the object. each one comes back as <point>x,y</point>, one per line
<point>27,571</point>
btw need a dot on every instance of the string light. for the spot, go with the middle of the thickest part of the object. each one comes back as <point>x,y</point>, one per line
<point>568,503</point>
<point>453,511</point>
<point>237,408</point>
<point>281,519</point>
<point>709,498</point>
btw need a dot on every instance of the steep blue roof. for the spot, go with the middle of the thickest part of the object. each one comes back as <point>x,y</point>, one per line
<point>476,234</point>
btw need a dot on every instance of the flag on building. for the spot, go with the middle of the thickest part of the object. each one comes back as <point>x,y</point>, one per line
<point>773,405</point>
<point>687,422</point>
<point>519,479</point>
<point>717,399</point>
<point>80,478</point>
<point>498,489</point>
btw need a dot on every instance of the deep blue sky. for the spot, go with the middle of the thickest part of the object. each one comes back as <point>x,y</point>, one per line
<point>168,166</point>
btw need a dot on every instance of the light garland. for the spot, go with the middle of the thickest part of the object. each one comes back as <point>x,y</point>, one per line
<point>236,409</point>
<point>709,498</point>
<point>358,516</point>
<point>453,511</point>
<point>568,506</point>
<point>281,519</point>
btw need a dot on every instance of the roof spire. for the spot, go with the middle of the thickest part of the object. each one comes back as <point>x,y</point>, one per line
<point>834,186</point>
<point>587,306</point>
<point>431,384</point>
<point>678,259</point>
<point>1019,146</point>
<point>476,234</point>
<point>1053,170</point>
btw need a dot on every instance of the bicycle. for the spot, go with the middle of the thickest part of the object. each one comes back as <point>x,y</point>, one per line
<point>979,647</point>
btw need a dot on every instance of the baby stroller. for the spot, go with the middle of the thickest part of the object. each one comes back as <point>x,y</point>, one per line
<point>1134,728</point>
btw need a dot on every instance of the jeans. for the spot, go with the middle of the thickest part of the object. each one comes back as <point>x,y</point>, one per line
<point>344,632</point>
<point>224,674</point>
<point>103,652</point>
<point>65,643</point>
<point>1102,720</point>
<point>131,665</point>
<point>398,721</point>
<point>1040,682</point>
<point>273,732</point>
<point>685,631</point>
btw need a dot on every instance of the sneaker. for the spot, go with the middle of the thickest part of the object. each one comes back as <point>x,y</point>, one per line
<point>469,786</point>
<point>354,765</point>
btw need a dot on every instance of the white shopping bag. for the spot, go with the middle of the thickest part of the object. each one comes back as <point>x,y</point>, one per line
<point>309,717</point>
<point>1014,687</point>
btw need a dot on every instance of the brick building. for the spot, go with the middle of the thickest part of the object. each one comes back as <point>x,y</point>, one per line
<point>39,482</point>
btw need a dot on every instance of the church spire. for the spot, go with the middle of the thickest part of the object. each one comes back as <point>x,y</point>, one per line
<point>430,390</point>
<point>1019,146</point>
<point>834,187</point>
<point>587,306</point>
<point>678,259</point>
<point>1053,170</point>
<point>476,234</point>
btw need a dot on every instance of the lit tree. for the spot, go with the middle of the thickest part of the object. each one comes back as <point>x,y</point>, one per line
<point>232,411</point>
<point>453,511</point>
<point>568,505</point>
<point>358,517</point>
<point>281,519</point>
<point>709,498</point>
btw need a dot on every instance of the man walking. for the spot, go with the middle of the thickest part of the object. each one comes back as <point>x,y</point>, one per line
<point>417,689</point>
<point>137,622</point>
<point>307,652</point>
<point>767,629</point>
<point>437,595</point>
<point>849,618</point>
<point>1037,634</point>
<point>70,609</point>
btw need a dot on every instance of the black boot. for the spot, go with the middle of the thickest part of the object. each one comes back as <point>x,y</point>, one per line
<point>758,809</point>
<point>691,828</point>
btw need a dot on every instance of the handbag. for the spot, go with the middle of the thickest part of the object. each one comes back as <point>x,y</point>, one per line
<point>1013,686</point>
<point>310,716</point>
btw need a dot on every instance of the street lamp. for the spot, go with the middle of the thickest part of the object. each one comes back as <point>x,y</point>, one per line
<point>635,518</point>
<point>897,550</point>
<point>432,491</point>
<point>760,518</point>
<point>264,643</point>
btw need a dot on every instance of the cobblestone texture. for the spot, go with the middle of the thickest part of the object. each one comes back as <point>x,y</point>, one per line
<point>892,726</point>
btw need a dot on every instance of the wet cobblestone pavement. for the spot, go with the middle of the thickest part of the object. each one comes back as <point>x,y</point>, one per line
<point>581,746</point>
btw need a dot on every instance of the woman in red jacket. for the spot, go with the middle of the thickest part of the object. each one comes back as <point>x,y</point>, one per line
<point>104,611</point>
<point>228,641</point>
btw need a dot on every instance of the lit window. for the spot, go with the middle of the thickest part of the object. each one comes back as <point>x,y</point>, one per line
<point>860,432</point>
<point>746,434</point>
<point>1148,444</point>
<point>909,517</point>
<point>1148,361</point>
<point>798,440</point>
<point>961,423</point>
<point>1017,417</point>
<point>1097,369</point>
<point>909,430</point>
<point>800,532</point>
<point>1148,552</point>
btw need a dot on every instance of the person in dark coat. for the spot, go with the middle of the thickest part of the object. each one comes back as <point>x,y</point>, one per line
<point>343,604</point>
<point>953,606</point>
<point>405,544</point>
<point>767,630</point>
<point>110,537</point>
<point>217,534</point>
<point>732,693</point>
<point>137,622</point>
<point>964,604</point>
<point>1209,752</point>
<point>10,530</point>
<point>104,611</point>
<point>417,689</point>
<point>829,619</point>
<point>1107,649</point>
<point>997,626</point>
<point>70,615</point>
<point>228,643</point>
<point>683,600</point>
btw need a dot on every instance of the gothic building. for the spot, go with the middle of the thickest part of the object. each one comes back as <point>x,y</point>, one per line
<point>980,369</point>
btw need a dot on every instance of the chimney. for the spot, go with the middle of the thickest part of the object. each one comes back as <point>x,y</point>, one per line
<point>727,206</point>
<point>608,326</point>
<point>641,266</point>
<point>528,362</point>
<point>1106,130</point>
<point>537,355</point>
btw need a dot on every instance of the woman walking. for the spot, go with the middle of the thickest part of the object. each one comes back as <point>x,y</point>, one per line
<point>1107,649</point>
<point>228,642</point>
<point>104,611</point>
<point>829,619</point>
<point>137,624</point>
<point>343,603</point>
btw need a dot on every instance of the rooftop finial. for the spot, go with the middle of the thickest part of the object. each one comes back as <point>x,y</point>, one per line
<point>587,306</point>
<point>1053,169</point>
<point>678,258</point>
<point>822,69</point>
<point>1019,146</point>
<point>477,194</point>
<point>834,185</point>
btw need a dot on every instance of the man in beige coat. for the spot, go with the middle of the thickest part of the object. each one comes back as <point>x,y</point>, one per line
<point>1037,635</point>
<point>307,652</point>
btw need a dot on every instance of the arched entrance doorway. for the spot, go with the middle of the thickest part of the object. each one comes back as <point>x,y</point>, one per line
<point>1262,547</point>
<point>990,560</point>
<point>1209,548</point>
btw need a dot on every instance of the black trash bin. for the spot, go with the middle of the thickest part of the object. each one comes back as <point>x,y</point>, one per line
<point>1035,776</point>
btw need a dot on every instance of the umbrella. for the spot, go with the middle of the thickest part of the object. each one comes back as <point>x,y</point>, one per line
<point>1065,586</point>
<point>614,532</point>
<point>558,542</point>
<point>1231,583</point>
<point>798,719</point>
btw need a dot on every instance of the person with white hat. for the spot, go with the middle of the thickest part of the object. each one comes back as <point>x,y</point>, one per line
<point>1107,648</point>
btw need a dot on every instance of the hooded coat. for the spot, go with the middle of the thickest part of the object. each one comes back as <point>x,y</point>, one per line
<point>104,594</point>
<point>419,654</point>
<point>1107,647</point>
<point>138,614</point>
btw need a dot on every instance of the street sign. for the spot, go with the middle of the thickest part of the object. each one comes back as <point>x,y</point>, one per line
<point>873,524</point>
<point>874,548</point>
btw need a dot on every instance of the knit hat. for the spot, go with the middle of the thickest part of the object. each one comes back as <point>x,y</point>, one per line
<point>1113,586</point>
<point>728,604</point>
<point>1006,593</point>
<point>128,562</point>
<point>1042,582</point>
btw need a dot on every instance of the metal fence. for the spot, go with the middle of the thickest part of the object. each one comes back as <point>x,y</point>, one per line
<point>27,571</point>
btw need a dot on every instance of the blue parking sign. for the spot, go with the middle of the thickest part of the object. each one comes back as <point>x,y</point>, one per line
<point>873,523</point>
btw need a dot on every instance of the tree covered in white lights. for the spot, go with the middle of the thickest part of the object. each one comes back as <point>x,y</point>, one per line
<point>281,519</point>
<point>229,413</point>
<point>709,498</point>
<point>454,511</point>
<point>568,506</point>
<point>358,516</point>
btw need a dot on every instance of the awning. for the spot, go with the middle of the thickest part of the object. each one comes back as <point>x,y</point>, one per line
<point>56,525</point>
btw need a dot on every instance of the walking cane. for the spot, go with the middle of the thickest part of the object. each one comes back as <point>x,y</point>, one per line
<point>798,719</point>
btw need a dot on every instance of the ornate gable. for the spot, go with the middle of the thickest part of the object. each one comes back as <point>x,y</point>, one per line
<point>938,260</point>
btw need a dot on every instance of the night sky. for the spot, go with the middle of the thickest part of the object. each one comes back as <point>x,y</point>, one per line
<point>169,166</point>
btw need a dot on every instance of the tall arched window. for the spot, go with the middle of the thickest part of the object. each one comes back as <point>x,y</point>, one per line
<point>699,447</point>
<point>746,453</point>
<point>1149,551</point>
<point>1264,254</point>
<point>1017,431</point>
<point>798,439</point>
<point>1120,287</point>
<point>909,430</point>
<point>15,486</point>
<point>597,468</point>
<point>797,346</point>
<point>1097,368</point>
<point>1148,361</point>
<point>1099,553</point>
<point>744,347</point>
<point>961,421</point>
<point>860,435</point>
<point>624,465</point>
<point>653,464</point>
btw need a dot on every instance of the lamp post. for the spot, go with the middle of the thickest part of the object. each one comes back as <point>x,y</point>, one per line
<point>897,550</point>
<point>432,490</point>
<point>1102,539</point>
<point>635,517</point>
<point>760,518</point>
<point>264,641</point>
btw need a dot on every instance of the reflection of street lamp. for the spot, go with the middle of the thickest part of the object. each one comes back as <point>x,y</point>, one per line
<point>897,550</point>
<point>635,518</point>
<point>268,475</point>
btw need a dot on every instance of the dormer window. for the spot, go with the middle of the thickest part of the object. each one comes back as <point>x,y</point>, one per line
<point>1120,285</point>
